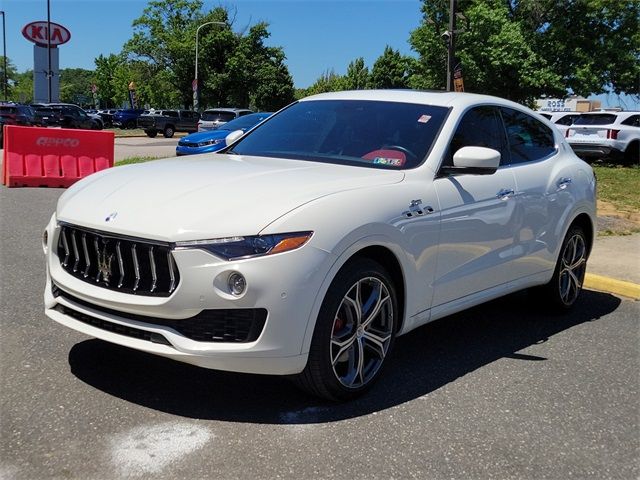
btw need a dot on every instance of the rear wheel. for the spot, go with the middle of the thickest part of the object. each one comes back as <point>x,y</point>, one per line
<point>168,131</point>
<point>354,333</point>
<point>130,124</point>
<point>565,286</point>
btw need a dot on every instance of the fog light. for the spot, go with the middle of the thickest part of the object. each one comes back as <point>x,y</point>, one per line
<point>237,284</point>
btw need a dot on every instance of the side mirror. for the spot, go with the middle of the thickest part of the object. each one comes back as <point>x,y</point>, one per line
<point>233,136</point>
<point>474,160</point>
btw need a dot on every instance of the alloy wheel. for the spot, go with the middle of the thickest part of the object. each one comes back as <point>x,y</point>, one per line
<point>572,269</point>
<point>362,332</point>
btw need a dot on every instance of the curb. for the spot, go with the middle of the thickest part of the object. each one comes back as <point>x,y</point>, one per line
<point>611,285</point>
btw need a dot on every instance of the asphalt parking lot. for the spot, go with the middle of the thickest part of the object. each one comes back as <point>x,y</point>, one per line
<point>500,391</point>
<point>126,147</point>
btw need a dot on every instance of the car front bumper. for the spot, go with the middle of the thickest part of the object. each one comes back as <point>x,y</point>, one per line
<point>286,285</point>
<point>182,150</point>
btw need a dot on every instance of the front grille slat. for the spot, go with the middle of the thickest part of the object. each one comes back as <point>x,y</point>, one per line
<point>136,267</point>
<point>172,276</point>
<point>119,263</point>
<point>75,251</point>
<point>87,261</point>
<point>65,243</point>
<point>154,276</point>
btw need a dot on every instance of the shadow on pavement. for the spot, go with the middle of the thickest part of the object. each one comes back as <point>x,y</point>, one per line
<point>422,361</point>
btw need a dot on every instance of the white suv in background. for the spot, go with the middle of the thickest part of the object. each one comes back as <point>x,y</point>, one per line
<point>214,117</point>
<point>606,134</point>
<point>561,120</point>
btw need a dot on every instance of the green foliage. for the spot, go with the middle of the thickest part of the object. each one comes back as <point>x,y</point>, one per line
<point>233,69</point>
<point>524,49</point>
<point>75,86</point>
<point>390,70</point>
<point>329,81</point>
<point>357,76</point>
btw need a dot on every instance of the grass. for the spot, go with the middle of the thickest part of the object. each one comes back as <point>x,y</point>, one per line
<point>136,132</point>
<point>132,160</point>
<point>619,186</point>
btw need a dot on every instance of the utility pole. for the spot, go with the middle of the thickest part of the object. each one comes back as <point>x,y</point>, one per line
<point>451,44</point>
<point>49,72</point>
<point>4,54</point>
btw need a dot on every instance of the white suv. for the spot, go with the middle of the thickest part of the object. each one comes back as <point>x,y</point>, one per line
<point>215,117</point>
<point>561,120</point>
<point>606,134</point>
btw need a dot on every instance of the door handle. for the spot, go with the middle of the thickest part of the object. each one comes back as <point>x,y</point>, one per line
<point>563,183</point>
<point>505,193</point>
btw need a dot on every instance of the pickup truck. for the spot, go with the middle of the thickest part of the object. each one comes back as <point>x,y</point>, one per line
<point>168,122</point>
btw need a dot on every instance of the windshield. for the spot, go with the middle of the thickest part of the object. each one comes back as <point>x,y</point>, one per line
<point>597,119</point>
<point>214,116</point>
<point>244,123</point>
<point>351,132</point>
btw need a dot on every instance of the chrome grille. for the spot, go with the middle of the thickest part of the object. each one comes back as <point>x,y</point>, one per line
<point>123,264</point>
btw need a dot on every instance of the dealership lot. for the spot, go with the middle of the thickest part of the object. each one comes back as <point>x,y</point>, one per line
<point>501,391</point>
<point>127,147</point>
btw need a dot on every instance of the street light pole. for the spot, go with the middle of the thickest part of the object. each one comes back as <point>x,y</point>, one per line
<point>196,88</point>
<point>451,45</point>
<point>4,55</point>
<point>49,72</point>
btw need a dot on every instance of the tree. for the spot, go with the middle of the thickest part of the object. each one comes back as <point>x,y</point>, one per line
<point>75,86</point>
<point>357,76</point>
<point>523,49</point>
<point>11,76</point>
<point>233,69</point>
<point>329,81</point>
<point>390,70</point>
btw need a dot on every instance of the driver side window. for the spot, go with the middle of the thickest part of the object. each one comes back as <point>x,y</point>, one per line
<point>479,127</point>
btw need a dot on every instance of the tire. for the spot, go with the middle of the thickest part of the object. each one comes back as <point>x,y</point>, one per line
<point>564,289</point>
<point>131,124</point>
<point>168,131</point>
<point>632,154</point>
<point>347,355</point>
<point>151,133</point>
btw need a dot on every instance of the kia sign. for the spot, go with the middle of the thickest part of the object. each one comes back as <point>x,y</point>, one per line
<point>37,33</point>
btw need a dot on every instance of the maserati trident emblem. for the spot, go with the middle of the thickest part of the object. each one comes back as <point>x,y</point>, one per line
<point>104,264</point>
<point>111,216</point>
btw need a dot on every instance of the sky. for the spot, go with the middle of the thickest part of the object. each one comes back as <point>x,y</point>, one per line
<point>316,35</point>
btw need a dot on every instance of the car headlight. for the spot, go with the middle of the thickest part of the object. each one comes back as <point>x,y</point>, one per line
<point>211,142</point>
<point>233,248</point>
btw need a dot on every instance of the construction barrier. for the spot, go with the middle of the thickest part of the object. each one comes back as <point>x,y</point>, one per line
<point>53,157</point>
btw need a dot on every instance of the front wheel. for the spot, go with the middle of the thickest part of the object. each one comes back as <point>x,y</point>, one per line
<point>168,132</point>
<point>565,286</point>
<point>354,333</point>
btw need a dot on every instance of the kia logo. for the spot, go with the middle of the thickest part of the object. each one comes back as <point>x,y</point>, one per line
<point>57,142</point>
<point>37,33</point>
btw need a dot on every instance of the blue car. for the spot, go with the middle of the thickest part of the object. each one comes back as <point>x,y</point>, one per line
<point>213,140</point>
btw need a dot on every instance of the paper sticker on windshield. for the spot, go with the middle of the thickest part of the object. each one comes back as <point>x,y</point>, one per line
<point>392,162</point>
<point>424,119</point>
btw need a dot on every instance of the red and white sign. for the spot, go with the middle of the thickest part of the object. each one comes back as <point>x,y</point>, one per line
<point>36,32</point>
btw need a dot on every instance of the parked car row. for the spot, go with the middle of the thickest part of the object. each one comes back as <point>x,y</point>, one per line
<point>602,134</point>
<point>64,115</point>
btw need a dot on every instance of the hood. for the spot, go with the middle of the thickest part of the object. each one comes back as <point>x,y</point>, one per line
<point>202,197</point>
<point>207,135</point>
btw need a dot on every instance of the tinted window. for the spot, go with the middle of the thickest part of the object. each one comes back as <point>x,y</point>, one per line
<point>528,138</point>
<point>595,119</point>
<point>213,116</point>
<point>171,113</point>
<point>351,132</point>
<point>546,115</point>
<point>479,127</point>
<point>632,121</point>
<point>567,120</point>
<point>245,122</point>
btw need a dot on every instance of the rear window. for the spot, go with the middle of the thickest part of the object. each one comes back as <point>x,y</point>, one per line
<point>216,116</point>
<point>595,119</point>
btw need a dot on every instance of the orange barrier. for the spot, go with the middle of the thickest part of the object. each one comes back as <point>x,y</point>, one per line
<point>53,157</point>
